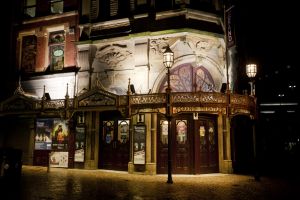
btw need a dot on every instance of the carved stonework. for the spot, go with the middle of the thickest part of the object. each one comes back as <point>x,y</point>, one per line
<point>113,54</point>
<point>97,97</point>
<point>204,45</point>
<point>157,46</point>
<point>97,100</point>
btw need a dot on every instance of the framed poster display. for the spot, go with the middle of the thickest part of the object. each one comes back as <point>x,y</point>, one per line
<point>43,129</point>
<point>139,144</point>
<point>79,144</point>
<point>60,134</point>
<point>59,159</point>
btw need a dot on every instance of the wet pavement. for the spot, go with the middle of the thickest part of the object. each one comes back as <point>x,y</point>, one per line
<point>74,184</point>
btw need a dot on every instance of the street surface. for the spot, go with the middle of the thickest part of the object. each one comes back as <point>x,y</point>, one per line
<point>74,184</point>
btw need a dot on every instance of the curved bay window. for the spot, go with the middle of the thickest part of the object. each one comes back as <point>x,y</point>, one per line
<point>29,50</point>
<point>56,49</point>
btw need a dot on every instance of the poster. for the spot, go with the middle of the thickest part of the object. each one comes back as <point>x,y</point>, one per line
<point>42,137</point>
<point>60,134</point>
<point>139,142</point>
<point>79,144</point>
<point>59,159</point>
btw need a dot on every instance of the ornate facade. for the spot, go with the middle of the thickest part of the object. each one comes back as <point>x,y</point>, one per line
<point>105,82</point>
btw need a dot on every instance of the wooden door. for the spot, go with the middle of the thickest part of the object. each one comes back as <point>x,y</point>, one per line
<point>181,143</point>
<point>206,146</point>
<point>162,147</point>
<point>181,162</point>
<point>114,145</point>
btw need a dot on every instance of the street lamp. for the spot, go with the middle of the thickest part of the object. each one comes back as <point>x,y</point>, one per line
<point>168,60</point>
<point>251,70</point>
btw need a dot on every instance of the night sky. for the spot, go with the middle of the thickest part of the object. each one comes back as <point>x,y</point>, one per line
<point>268,35</point>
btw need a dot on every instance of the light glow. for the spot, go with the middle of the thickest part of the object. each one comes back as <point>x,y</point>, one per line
<point>251,70</point>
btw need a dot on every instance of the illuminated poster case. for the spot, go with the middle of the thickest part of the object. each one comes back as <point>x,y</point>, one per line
<point>60,135</point>
<point>79,144</point>
<point>139,144</point>
<point>43,140</point>
<point>51,134</point>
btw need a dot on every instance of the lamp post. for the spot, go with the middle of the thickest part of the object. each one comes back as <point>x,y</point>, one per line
<point>168,60</point>
<point>251,70</point>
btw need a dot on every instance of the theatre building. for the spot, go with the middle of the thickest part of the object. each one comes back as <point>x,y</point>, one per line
<point>92,88</point>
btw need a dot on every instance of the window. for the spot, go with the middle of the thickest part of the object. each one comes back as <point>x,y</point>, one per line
<point>114,7</point>
<point>138,6</point>
<point>30,8</point>
<point>56,49</point>
<point>29,46</point>
<point>57,6</point>
<point>181,131</point>
<point>108,131</point>
<point>123,129</point>
<point>164,132</point>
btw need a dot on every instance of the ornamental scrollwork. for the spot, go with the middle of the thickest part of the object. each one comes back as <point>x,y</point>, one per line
<point>54,104</point>
<point>148,99</point>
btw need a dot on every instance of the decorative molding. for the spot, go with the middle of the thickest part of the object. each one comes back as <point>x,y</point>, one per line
<point>97,97</point>
<point>210,109</point>
<point>158,45</point>
<point>112,54</point>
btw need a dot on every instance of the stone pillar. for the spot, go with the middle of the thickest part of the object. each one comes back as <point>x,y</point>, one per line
<point>150,165</point>
<point>221,132</point>
<point>90,141</point>
<point>31,143</point>
<point>227,163</point>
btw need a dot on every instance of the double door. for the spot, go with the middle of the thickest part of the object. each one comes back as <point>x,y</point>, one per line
<point>194,145</point>
<point>114,145</point>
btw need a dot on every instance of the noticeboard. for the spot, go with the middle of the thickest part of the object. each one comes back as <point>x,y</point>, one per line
<point>139,144</point>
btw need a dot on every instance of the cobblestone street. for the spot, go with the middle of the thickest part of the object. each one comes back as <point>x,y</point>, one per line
<point>74,184</point>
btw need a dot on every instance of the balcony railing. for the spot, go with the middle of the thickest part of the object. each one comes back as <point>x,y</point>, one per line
<point>180,102</point>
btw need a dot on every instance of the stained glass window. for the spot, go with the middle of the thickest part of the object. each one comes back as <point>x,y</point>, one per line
<point>123,129</point>
<point>181,131</point>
